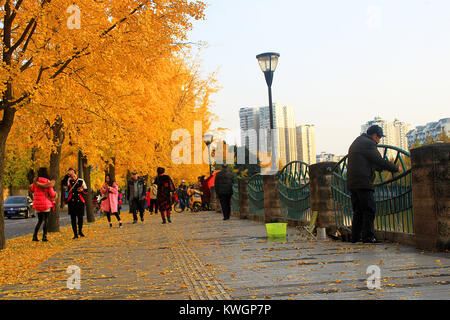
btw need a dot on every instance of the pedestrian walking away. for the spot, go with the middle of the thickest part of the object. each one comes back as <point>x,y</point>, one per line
<point>165,194</point>
<point>136,196</point>
<point>109,192</point>
<point>152,196</point>
<point>363,160</point>
<point>224,189</point>
<point>44,199</point>
<point>76,201</point>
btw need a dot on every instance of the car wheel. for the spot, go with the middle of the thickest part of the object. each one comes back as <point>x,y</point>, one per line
<point>9,217</point>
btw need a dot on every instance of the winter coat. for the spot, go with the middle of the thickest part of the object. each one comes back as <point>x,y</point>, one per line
<point>110,204</point>
<point>41,201</point>
<point>142,189</point>
<point>363,160</point>
<point>224,182</point>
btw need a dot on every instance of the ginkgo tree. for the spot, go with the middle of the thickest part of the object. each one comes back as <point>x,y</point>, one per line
<point>108,81</point>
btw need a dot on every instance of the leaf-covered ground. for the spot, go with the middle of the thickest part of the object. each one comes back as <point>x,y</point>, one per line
<point>199,256</point>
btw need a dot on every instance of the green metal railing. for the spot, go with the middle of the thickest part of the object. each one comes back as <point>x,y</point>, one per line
<point>256,195</point>
<point>393,194</point>
<point>235,197</point>
<point>295,192</point>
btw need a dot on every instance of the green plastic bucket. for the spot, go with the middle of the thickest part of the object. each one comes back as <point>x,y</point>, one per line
<point>275,230</point>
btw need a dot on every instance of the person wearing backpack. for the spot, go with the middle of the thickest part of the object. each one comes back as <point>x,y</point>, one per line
<point>43,201</point>
<point>152,199</point>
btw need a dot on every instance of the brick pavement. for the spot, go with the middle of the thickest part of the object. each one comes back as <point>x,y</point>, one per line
<point>201,257</point>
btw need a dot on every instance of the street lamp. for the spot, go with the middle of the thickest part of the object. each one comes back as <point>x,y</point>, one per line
<point>208,139</point>
<point>268,62</point>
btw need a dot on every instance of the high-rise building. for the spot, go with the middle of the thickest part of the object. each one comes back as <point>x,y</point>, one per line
<point>395,132</point>
<point>306,144</point>
<point>285,134</point>
<point>433,129</point>
<point>249,122</point>
<point>255,123</point>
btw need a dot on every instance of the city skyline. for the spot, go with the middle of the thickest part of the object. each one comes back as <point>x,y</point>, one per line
<point>339,61</point>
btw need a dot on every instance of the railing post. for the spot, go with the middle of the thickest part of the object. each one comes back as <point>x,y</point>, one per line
<point>272,210</point>
<point>321,196</point>
<point>244,201</point>
<point>431,196</point>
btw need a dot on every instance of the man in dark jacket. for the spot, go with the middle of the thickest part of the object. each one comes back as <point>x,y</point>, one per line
<point>137,192</point>
<point>363,160</point>
<point>224,189</point>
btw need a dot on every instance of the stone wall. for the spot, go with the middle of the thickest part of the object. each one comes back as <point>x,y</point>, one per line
<point>431,196</point>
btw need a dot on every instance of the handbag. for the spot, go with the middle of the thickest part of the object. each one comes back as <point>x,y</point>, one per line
<point>69,194</point>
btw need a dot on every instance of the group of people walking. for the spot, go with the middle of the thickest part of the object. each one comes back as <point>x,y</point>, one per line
<point>44,199</point>
<point>159,196</point>
<point>363,161</point>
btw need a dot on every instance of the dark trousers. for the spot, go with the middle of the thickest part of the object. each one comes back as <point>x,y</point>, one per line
<point>42,218</point>
<point>108,216</point>
<point>225,203</point>
<point>135,206</point>
<point>76,218</point>
<point>153,205</point>
<point>364,208</point>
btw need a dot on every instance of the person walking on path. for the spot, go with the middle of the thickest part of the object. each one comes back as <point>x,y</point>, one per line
<point>363,160</point>
<point>152,195</point>
<point>109,192</point>
<point>136,196</point>
<point>165,193</point>
<point>76,201</point>
<point>206,197</point>
<point>44,197</point>
<point>119,201</point>
<point>224,189</point>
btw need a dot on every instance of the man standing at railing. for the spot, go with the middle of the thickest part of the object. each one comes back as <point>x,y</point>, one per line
<point>363,160</point>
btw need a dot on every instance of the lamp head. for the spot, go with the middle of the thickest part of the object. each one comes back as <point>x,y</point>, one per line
<point>268,61</point>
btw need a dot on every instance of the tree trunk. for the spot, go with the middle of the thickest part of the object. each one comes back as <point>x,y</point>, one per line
<point>2,170</point>
<point>87,178</point>
<point>5,127</point>
<point>55,160</point>
<point>80,165</point>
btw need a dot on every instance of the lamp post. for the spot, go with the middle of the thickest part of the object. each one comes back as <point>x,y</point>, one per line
<point>268,62</point>
<point>208,139</point>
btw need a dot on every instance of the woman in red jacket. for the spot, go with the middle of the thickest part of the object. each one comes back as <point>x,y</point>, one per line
<point>43,201</point>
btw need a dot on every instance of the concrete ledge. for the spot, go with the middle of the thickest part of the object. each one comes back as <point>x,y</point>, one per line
<point>398,237</point>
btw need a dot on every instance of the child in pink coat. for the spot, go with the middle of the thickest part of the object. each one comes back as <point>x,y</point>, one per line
<point>109,204</point>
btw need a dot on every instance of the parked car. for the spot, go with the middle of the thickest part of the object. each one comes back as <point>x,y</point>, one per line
<point>19,206</point>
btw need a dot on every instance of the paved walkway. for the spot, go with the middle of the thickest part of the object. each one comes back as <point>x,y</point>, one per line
<point>199,256</point>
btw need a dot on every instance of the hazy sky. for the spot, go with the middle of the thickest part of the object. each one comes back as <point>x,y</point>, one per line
<point>342,62</point>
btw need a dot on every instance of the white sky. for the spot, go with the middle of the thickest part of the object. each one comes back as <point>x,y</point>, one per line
<point>342,62</point>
